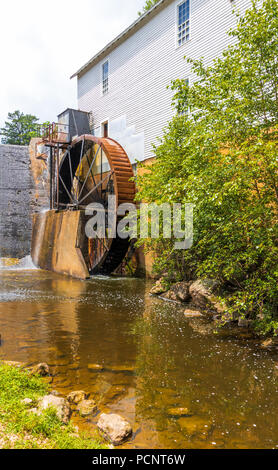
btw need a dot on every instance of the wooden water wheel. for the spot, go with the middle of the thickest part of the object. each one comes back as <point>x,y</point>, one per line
<point>91,170</point>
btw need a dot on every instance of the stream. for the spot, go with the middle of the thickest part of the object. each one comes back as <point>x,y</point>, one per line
<point>180,385</point>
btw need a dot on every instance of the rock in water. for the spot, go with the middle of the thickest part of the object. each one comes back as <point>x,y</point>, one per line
<point>59,404</point>
<point>201,292</point>
<point>76,397</point>
<point>41,369</point>
<point>158,288</point>
<point>114,427</point>
<point>192,314</point>
<point>95,367</point>
<point>270,344</point>
<point>179,292</point>
<point>203,296</point>
<point>87,408</point>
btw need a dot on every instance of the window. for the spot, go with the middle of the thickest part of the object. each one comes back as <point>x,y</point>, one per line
<point>183,22</point>
<point>105,73</point>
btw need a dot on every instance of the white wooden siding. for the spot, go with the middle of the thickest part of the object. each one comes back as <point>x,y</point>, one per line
<point>141,68</point>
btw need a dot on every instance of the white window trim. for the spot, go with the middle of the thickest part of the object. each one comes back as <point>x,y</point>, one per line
<point>101,76</point>
<point>177,46</point>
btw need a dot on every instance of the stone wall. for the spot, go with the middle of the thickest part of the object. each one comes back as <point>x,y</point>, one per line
<point>20,196</point>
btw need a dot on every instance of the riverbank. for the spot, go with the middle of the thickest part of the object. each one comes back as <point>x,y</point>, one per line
<point>204,298</point>
<point>21,428</point>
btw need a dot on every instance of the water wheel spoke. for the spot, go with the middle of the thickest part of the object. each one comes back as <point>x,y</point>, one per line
<point>109,179</point>
<point>94,188</point>
<point>79,167</point>
<point>67,191</point>
<point>90,170</point>
<point>92,174</point>
<point>102,240</point>
<point>70,165</point>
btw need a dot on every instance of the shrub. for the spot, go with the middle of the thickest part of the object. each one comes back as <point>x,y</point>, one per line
<point>219,152</point>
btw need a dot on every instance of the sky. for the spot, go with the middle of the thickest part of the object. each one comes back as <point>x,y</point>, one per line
<point>42,43</point>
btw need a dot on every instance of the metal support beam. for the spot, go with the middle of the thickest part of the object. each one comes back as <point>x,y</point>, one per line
<point>51,179</point>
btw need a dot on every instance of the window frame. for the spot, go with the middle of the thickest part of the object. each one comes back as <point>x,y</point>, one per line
<point>178,4</point>
<point>104,93</point>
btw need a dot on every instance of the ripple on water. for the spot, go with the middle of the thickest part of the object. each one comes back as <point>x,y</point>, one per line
<point>140,357</point>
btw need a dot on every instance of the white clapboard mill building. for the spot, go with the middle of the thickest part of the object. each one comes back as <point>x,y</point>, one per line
<point>124,86</point>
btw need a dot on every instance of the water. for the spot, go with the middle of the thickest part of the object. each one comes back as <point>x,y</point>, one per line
<point>140,357</point>
<point>11,264</point>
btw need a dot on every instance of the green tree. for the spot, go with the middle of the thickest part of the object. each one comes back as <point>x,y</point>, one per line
<point>19,128</point>
<point>219,152</point>
<point>148,5</point>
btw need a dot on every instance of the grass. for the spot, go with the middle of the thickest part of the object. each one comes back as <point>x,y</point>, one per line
<point>21,429</point>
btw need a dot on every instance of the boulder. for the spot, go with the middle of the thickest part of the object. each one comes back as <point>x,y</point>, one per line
<point>270,344</point>
<point>202,293</point>
<point>267,344</point>
<point>59,404</point>
<point>159,288</point>
<point>87,408</point>
<point>115,428</point>
<point>181,289</point>
<point>41,369</point>
<point>178,292</point>
<point>76,397</point>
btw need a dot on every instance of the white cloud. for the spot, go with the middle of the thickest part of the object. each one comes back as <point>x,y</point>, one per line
<point>44,43</point>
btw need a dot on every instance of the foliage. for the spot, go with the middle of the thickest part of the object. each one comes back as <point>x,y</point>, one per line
<point>219,152</point>
<point>30,430</point>
<point>148,5</point>
<point>19,128</point>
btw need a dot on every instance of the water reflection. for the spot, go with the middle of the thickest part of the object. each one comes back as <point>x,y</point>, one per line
<point>179,384</point>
